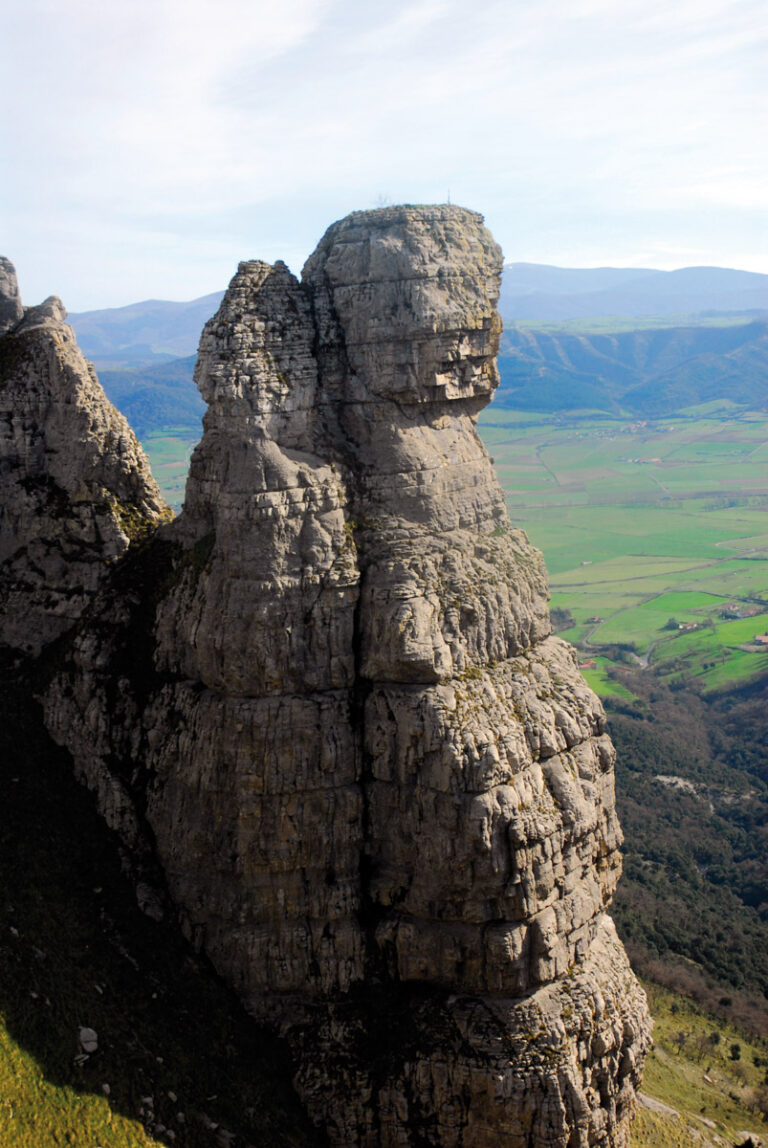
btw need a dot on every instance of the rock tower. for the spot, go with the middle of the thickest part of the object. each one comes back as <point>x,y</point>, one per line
<point>325,711</point>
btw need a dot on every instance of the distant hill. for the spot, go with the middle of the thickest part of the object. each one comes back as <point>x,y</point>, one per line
<point>648,371</point>
<point>145,352</point>
<point>157,329</point>
<point>537,291</point>
<point>154,396</point>
<point>144,332</point>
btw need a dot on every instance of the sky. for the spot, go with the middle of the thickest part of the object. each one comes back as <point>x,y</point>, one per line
<point>146,146</point>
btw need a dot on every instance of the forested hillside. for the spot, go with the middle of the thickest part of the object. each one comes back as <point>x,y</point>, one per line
<point>654,371</point>
<point>692,790</point>
<point>154,396</point>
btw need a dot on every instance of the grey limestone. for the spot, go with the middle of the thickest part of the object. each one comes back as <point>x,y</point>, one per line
<point>75,486</point>
<point>378,790</point>
<point>11,310</point>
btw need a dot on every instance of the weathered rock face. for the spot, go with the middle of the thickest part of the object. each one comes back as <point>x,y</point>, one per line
<point>379,791</point>
<point>74,484</point>
<point>11,310</point>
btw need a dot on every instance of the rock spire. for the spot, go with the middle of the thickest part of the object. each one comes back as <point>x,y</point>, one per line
<point>378,790</point>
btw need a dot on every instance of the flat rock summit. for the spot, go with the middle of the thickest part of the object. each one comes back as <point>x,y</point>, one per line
<point>323,708</point>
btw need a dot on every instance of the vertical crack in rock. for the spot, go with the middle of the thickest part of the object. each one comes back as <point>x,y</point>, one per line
<point>380,791</point>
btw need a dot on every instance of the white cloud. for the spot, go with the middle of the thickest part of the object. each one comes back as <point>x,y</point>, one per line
<point>168,121</point>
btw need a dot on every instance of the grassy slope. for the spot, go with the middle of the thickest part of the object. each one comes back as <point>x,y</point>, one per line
<point>74,952</point>
<point>690,1046</point>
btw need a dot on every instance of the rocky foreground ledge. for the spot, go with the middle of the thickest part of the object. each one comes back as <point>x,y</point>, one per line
<point>324,710</point>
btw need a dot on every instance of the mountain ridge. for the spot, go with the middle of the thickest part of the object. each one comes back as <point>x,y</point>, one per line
<point>145,351</point>
<point>638,293</point>
<point>142,331</point>
<point>650,371</point>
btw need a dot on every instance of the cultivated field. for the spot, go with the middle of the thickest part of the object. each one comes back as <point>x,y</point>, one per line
<point>655,533</point>
<point>169,451</point>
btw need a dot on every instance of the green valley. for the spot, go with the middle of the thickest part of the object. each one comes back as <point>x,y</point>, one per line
<point>654,532</point>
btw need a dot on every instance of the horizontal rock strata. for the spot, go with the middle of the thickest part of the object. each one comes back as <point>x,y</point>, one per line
<point>379,791</point>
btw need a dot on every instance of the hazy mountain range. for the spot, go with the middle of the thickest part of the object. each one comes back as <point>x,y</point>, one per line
<point>142,332</point>
<point>145,352</point>
<point>537,291</point>
<point>529,291</point>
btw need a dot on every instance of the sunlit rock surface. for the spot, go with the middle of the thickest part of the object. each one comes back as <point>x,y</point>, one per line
<point>379,792</point>
<point>75,486</point>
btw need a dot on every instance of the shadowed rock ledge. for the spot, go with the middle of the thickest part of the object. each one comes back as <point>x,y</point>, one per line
<point>326,703</point>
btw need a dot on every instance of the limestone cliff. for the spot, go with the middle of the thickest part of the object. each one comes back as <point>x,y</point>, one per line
<point>327,702</point>
<point>75,485</point>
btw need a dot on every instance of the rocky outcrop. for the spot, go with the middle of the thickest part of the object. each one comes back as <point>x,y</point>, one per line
<point>75,486</point>
<point>11,310</point>
<point>327,702</point>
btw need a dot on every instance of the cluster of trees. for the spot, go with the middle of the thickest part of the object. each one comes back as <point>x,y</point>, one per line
<point>695,886</point>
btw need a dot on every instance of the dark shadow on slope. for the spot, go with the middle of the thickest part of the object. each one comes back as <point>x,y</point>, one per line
<point>75,951</point>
